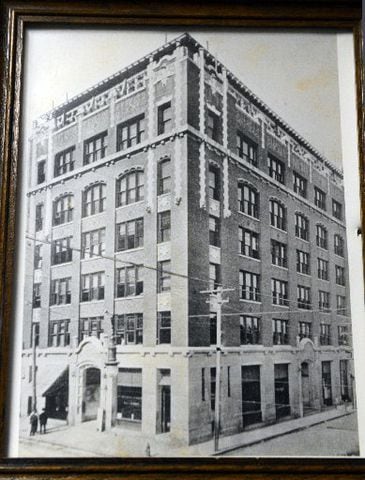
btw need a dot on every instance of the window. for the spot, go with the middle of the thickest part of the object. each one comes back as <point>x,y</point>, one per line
<point>277,215</point>
<point>38,257</point>
<point>163,276</point>
<point>129,395</point>
<point>93,243</point>
<point>212,128</point>
<point>164,119</point>
<point>90,327</point>
<point>323,301</point>
<point>129,281</point>
<point>321,237</point>
<point>64,162</point>
<point>337,209</point>
<point>276,169</point>
<point>341,305</point>
<point>213,328</point>
<point>94,199</point>
<point>248,200</point>
<point>129,329</point>
<point>343,335</point>
<point>340,275</point>
<point>63,210</point>
<point>164,177</point>
<point>248,243</point>
<point>279,291</point>
<point>319,198</point>
<point>59,335</point>
<point>92,286</point>
<point>214,232</point>
<point>303,265</point>
<point>39,217</point>
<point>41,172</point>
<point>36,295</point>
<point>129,235</point>
<point>246,149</point>
<point>61,251</point>
<point>279,254</point>
<point>303,295</point>
<point>280,332</point>
<point>213,375</point>
<point>164,226</point>
<point>250,286</point>
<point>322,268</point>
<point>95,148</point>
<point>214,275</point>
<point>60,291</point>
<point>299,185</point>
<point>339,245</point>
<point>228,381</point>
<point>325,334</point>
<point>214,183</point>
<point>304,330</point>
<point>301,226</point>
<point>130,188</point>
<point>163,327</point>
<point>249,330</point>
<point>130,133</point>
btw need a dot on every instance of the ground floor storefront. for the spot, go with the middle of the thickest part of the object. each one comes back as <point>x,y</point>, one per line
<point>172,391</point>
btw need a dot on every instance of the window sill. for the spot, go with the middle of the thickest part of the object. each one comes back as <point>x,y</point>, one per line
<point>249,258</point>
<point>243,300</point>
<point>131,297</point>
<point>62,224</point>
<point>279,266</point>
<point>279,229</point>
<point>248,216</point>
<point>120,207</point>
<point>62,264</point>
<point>130,250</point>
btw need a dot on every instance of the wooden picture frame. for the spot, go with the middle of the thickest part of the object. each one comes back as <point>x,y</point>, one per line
<point>16,17</point>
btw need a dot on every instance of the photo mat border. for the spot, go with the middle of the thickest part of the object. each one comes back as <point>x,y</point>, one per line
<point>15,18</point>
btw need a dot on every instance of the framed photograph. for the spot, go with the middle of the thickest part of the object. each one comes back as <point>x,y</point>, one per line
<point>182,282</point>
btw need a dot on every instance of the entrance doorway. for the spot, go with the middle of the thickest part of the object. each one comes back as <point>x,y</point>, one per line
<point>165,408</point>
<point>326,383</point>
<point>344,381</point>
<point>57,397</point>
<point>305,385</point>
<point>282,403</point>
<point>91,394</point>
<point>251,395</point>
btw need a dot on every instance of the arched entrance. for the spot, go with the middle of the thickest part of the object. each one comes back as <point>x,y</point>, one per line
<point>91,393</point>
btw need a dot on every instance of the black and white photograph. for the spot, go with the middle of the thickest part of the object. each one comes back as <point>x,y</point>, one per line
<point>184,282</point>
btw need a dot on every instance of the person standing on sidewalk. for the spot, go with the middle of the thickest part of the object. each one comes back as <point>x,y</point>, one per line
<point>33,419</point>
<point>43,417</point>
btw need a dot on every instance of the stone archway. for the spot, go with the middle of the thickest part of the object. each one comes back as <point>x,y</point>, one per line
<point>308,387</point>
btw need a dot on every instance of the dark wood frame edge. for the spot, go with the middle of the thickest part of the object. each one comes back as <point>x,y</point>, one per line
<point>15,16</point>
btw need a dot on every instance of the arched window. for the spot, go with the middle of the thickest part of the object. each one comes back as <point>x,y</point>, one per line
<point>277,215</point>
<point>94,199</point>
<point>321,236</point>
<point>301,226</point>
<point>63,209</point>
<point>339,245</point>
<point>130,188</point>
<point>248,200</point>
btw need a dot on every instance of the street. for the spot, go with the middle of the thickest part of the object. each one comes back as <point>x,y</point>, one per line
<point>334,437</point>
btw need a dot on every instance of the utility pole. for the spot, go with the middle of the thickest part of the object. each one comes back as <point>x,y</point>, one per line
<point>217,294</point>
<point>34,366</point>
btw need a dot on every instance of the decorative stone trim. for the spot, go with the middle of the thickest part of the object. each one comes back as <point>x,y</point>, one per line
<point>225,109</point>
<point>226,211</point>
<point>150,180</point>
<point>202,175</point>
<point>202,93</point>
<point>178,173</point>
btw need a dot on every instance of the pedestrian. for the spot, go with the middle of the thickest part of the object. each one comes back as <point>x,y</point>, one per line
<point>33,419</point>
<point>43,417</point>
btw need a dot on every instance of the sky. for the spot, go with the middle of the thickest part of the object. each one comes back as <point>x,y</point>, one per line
<point>295,74</point>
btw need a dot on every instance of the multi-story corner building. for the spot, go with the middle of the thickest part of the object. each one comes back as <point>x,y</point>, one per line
<point>165,180</point>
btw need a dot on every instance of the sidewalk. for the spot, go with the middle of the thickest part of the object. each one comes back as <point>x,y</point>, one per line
<point>84,440</point>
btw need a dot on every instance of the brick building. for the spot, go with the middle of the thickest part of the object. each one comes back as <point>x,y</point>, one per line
<point>166,179</point>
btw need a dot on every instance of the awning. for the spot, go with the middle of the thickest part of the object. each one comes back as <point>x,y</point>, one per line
<point>61,383</point>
